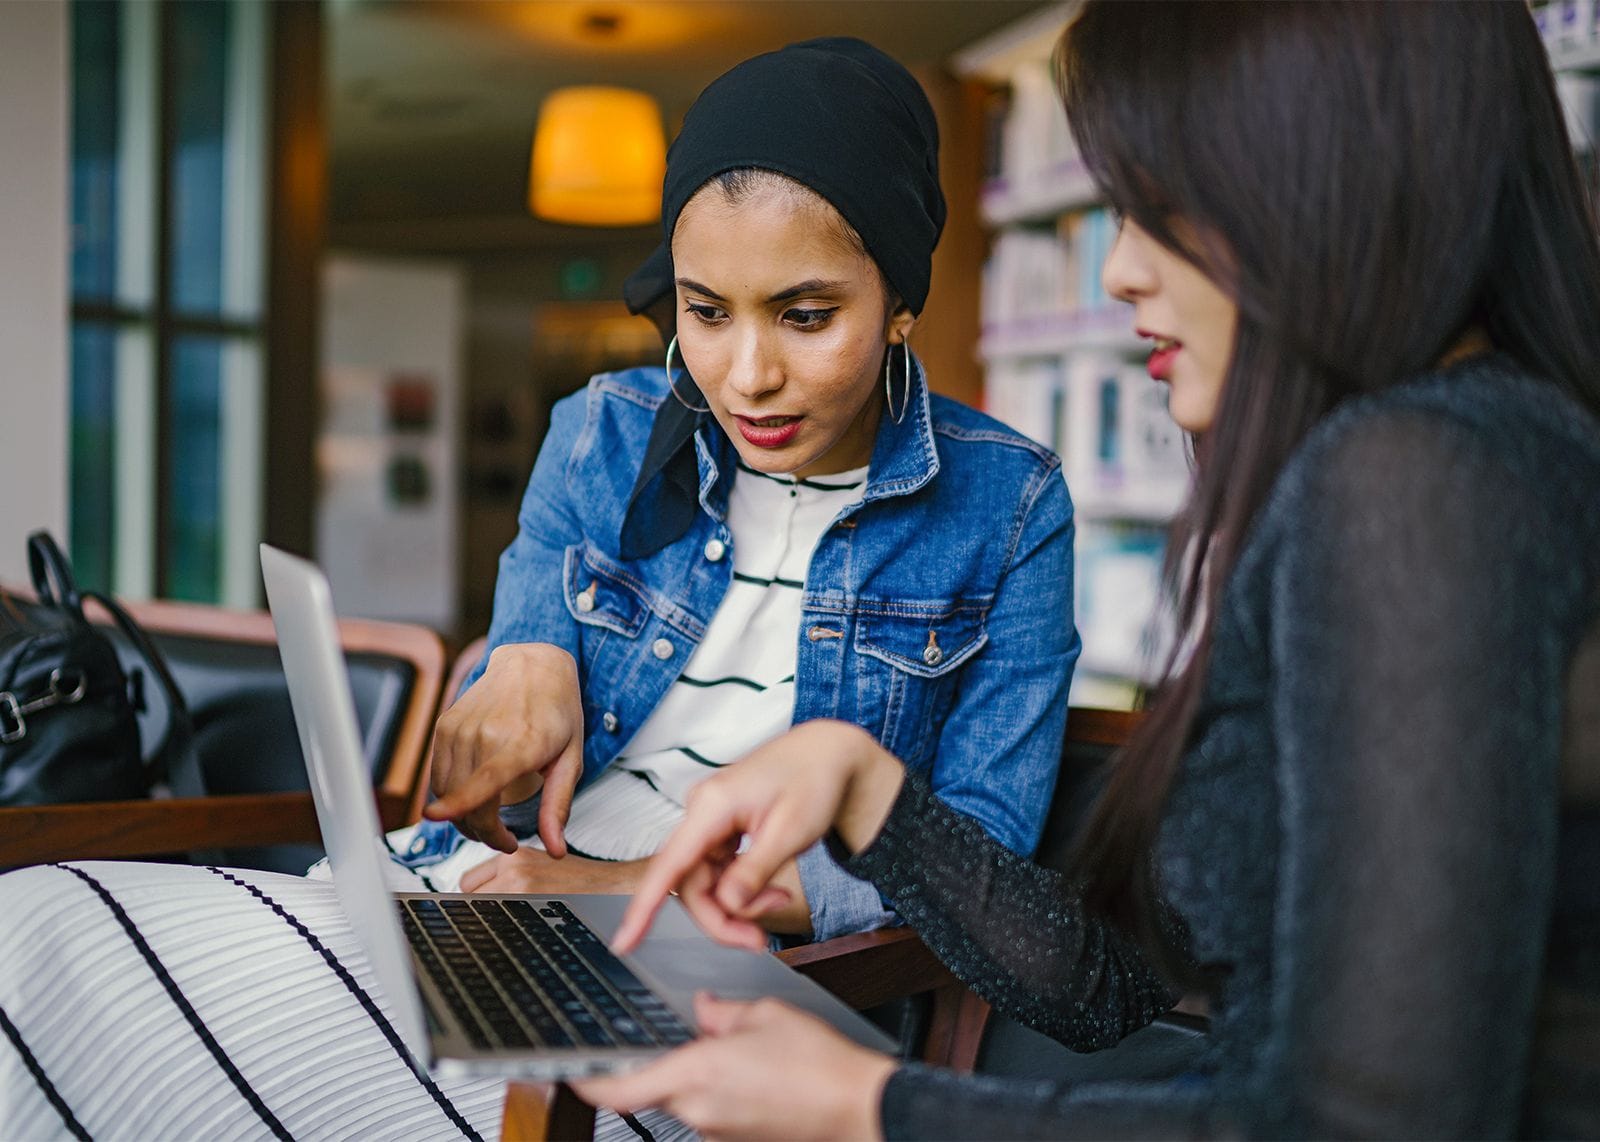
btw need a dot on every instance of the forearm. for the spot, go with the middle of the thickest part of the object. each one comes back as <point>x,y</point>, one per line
<point>624,877</point>
<point>1008,928</point>
<point>922,1103</point>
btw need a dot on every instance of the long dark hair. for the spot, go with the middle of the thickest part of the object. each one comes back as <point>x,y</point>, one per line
<point>1367,181</point>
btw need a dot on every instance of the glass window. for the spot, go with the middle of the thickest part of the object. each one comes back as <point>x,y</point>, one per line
<point>167,270</point>
<point>96,48</point>
<point>200,40</point>
<point>94,453</point>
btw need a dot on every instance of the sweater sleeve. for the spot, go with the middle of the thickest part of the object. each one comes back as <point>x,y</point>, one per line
<point>1007,927</point>
<point>1011,930</point>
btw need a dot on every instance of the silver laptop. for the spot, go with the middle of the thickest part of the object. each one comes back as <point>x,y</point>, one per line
<point>487,984</point>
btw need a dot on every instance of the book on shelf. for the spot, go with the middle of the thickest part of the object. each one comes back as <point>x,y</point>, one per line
<point>1122,455</point>
<point>1118,591</point>
<point>1034,136</point>
<point>1567,25</point>
<point>1045,276</point>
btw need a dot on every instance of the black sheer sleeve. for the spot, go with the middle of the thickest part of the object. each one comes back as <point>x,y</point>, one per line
<point>1009,928</point>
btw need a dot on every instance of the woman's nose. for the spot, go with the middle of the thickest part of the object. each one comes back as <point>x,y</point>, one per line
<point>756,370</point>
<point>1127,274</point>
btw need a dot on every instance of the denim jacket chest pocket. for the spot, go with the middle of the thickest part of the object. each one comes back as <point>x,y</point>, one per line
<point>907,665</point>
<point>612,611</point>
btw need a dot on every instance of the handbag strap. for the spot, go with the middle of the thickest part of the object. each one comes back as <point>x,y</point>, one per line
<point>177,759</point>
<point>46,562</point>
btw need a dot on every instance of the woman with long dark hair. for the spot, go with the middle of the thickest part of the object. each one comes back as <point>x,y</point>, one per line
<point>1360,815</point>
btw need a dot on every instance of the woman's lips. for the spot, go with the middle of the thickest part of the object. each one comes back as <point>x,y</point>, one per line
<point>769,431</point>
<point>1166,349</point>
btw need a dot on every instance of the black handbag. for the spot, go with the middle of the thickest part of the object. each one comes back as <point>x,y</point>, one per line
<point>69,726</point>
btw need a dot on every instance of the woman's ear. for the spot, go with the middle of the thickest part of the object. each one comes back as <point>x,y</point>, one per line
<point>901,319</point>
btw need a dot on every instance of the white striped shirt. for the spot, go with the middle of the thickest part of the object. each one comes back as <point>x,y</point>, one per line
<point>737,688</point>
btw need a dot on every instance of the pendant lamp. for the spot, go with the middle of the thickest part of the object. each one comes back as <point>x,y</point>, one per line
<point>599,155</point>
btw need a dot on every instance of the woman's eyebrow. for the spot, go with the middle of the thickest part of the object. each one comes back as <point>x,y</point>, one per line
<point>812,285</point>
<point>693,286</point>
<point>799,289</point>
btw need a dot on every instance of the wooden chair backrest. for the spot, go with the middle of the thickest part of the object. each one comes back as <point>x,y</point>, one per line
<point>417,646</point>
<point>145,827</point>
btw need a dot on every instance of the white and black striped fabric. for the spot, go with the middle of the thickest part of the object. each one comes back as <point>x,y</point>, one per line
<point>737,689</point>
<point>148,1001</point>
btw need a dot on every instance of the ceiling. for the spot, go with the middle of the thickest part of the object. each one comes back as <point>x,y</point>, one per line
<point>432,102</point>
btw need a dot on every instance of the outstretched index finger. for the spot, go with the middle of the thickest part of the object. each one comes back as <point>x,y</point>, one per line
<point>691,844</point>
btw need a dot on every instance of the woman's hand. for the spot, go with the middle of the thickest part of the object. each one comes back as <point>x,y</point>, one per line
<point>784,796</point>
<point>535,871</point>
<point>759,1070</point>
<point>518,728</point>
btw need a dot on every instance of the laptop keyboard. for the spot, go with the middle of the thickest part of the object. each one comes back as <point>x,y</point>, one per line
<point>518,974</point>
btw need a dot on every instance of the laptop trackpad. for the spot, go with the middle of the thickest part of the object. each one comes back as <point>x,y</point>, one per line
<point>682,960</point>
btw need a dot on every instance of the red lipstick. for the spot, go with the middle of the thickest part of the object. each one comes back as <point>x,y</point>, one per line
<point>1159,364</point>
<point>769,431</point>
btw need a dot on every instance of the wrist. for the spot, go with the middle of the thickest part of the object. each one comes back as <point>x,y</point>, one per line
<point>533,658</point>
<point>626,875</point>
<point>874,777</point>
<point>860,1114</point>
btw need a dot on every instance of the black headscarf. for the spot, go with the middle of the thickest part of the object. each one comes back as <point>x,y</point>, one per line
<point>836,115</point>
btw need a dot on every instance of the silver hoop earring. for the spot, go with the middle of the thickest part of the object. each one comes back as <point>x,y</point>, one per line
<point>888,390</point>
<point>672,347</point>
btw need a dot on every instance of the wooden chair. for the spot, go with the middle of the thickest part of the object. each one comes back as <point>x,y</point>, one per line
<point>226,664</point>
<point>870,968</point>
<point>464,664</point>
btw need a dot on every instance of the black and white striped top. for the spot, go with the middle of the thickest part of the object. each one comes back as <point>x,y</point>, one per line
<point>737,688</point>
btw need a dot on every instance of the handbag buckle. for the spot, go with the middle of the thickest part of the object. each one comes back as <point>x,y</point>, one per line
<point>55,695</point>
<point>12,726</point>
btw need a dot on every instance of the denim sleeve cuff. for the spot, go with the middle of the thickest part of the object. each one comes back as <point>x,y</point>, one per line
<point>839,902</point>
<point>522,818</point>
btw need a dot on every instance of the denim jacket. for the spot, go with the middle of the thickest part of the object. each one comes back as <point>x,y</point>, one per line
<point>937,612</point>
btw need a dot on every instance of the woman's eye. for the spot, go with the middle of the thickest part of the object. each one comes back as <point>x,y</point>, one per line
<point>809,318</point>
<point>709,314</point>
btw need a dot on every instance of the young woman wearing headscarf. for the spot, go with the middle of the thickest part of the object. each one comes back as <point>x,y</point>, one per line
<point>781,525</point>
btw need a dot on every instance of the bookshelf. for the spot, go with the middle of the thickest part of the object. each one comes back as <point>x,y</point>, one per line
<point>1584,57</point>
<point>1061,362</point>
<point>1571,33</point>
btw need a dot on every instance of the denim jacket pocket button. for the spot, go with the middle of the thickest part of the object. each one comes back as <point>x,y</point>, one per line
<point>661,648</point>
<point>715,550</point>
<point>609,721</point>
<point>585,600</point>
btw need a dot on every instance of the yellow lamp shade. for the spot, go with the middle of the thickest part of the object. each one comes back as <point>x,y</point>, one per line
<point>599,155</point>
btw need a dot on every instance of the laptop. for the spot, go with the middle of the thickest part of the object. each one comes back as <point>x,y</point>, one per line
<point>489,984</point>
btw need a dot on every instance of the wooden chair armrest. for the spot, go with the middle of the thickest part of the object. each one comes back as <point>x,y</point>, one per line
<point>870,968</point>
<point>865,969</point>
<point>108,829</point>
<point>545,1112</point>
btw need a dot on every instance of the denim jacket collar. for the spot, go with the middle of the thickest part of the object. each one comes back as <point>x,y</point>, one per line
<point>904,456</point>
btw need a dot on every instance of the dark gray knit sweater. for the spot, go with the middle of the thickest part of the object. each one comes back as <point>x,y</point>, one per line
<point>1385,840</point>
